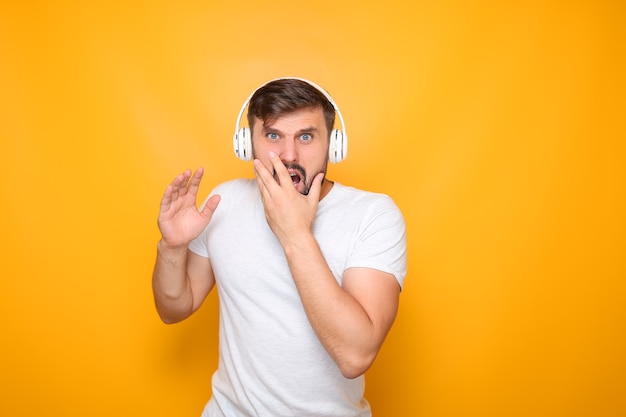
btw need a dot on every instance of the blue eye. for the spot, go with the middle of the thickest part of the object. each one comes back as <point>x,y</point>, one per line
<point>306,137</point>
<point>273,136</point>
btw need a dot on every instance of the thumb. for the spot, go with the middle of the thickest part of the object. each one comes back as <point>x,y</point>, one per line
<point>210,206</point>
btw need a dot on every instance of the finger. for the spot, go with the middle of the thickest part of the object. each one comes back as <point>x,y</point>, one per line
<point>284,179</point>
<point>316,187</point>
<point>176,184</point>
<point>166,200</point>
<point>263,176</point>
<point>210,206</point>
<point>194,182</point>
<point>184,184</point>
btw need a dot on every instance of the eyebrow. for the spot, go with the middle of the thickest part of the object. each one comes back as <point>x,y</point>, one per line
<point>310,129</point>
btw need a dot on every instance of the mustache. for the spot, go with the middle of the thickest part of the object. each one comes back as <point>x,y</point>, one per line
<point>293,167</point>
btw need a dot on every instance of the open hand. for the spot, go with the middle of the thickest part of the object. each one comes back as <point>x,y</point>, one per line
<point>179,220</point>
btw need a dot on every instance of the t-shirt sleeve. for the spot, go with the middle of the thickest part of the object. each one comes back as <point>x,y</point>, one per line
<point>199,245</point>
<point>381,240</point>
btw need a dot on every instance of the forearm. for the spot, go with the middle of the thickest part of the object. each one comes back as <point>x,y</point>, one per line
<point>170,284</point>
<point>340,322</point>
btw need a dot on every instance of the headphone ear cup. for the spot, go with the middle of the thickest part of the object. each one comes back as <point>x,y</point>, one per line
<point>242,144</point>
<point>338,146</point>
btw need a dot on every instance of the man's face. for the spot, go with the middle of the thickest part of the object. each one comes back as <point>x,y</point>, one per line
<point>300,139</point>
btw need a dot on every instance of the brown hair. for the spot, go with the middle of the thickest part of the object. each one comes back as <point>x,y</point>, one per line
<point>287,95</point>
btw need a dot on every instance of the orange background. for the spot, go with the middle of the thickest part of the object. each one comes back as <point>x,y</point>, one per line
<point>497,127</point>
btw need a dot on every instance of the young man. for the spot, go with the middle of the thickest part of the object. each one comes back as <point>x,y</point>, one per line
<point>308,271</point>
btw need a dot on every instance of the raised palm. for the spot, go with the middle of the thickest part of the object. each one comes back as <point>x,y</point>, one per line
<point>179,220</point>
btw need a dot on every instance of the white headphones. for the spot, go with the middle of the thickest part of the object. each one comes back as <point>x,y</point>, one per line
<point>338,146</point>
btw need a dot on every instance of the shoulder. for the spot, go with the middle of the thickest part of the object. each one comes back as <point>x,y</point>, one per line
<point>235,186</point>
<point>364,210</point>
<point>367,201</point>
<point>236,192</point>
<point>379,239</point>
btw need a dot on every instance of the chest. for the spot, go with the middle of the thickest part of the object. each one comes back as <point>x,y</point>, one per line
<point>244,251</point>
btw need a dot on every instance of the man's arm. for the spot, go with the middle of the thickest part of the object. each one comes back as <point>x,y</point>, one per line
<point>181,279</point>
<point>180,282</point>
<point>351,320</point>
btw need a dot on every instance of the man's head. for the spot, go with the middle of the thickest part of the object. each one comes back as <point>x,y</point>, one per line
<point>292,119</point>
<point>287,95</point>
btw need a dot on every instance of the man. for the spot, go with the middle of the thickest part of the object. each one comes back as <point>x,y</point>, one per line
<point>308,271</point>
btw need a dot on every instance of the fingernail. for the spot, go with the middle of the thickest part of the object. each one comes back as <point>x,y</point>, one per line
<point>272,154</point>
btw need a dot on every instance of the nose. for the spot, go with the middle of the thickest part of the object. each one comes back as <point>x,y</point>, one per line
<point>289,151</point>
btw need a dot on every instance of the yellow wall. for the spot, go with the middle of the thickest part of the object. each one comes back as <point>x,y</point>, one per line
<point>498,127</point>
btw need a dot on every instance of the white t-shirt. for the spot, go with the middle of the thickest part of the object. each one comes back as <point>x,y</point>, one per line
<point>271,362</point>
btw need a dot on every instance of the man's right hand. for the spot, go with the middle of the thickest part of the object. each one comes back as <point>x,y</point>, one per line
<point>179,220</point>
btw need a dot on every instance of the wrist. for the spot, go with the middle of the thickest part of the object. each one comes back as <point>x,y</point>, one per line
<point>163,246</point>
<point>298,243</point>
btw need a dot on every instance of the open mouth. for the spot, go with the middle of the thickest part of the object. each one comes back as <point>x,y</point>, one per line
<point>296,173</point>
<point>296,178</point>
